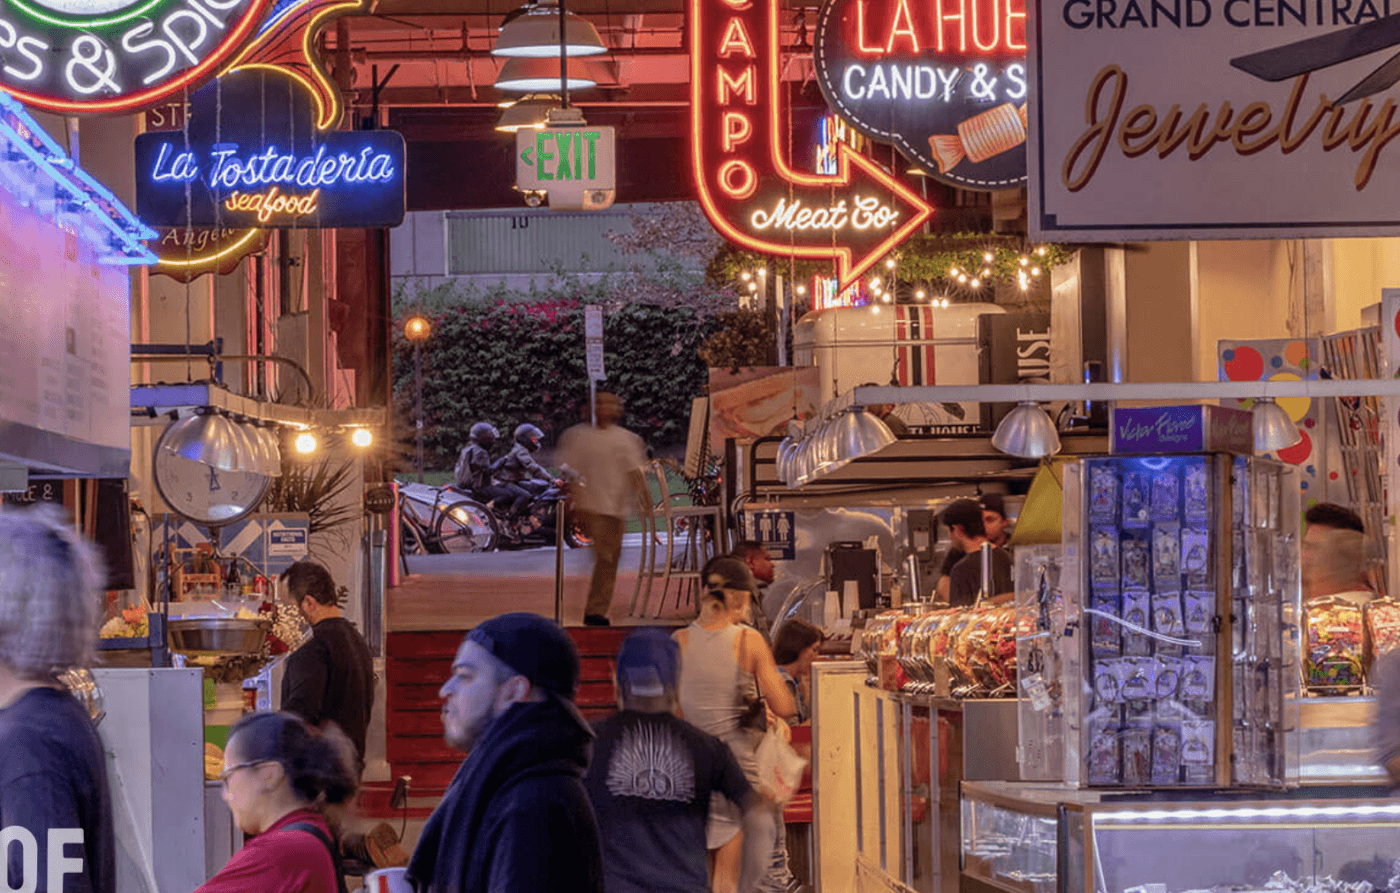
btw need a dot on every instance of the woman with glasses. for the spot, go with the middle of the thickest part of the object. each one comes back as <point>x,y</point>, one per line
<point>281,780</point>
<point>725,667</point>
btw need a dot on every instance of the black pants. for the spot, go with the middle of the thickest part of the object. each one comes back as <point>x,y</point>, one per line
<point>510,499</point>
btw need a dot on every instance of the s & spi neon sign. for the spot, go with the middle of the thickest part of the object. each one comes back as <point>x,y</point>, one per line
<point>77,56</point>
<point>243,174</point>
<point>852,216</point>
<point>944,81</point>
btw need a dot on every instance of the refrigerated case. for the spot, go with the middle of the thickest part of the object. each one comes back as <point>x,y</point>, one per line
<point>1189,593</point>
<point>1046,838</point>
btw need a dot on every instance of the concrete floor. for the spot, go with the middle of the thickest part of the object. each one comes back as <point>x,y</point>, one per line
<point>449,592</point>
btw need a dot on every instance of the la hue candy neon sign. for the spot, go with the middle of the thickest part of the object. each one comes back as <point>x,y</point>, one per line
<point>745,183</point>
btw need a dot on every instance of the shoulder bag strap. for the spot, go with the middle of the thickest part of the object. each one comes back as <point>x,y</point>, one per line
<point>330,848</point>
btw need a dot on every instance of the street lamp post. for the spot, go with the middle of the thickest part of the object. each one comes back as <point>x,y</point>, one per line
<point>417,330</point>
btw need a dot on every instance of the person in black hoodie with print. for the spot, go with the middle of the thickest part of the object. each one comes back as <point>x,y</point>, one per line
<point>516,818</point>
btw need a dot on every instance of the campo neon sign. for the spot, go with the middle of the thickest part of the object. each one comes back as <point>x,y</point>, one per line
<point>944,81</point>
<point>265,165</point>
<point>747,187</point>
<point>78,56</point>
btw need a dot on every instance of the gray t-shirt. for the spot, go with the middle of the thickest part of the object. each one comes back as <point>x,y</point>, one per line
<point>54,775</point>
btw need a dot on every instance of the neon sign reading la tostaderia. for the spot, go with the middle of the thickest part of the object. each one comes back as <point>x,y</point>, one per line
<point>270,167</point>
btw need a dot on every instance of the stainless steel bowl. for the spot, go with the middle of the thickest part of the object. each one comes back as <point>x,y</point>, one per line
<point>218,635</point>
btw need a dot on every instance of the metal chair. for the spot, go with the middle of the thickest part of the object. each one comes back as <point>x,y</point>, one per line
<point>667,522</point>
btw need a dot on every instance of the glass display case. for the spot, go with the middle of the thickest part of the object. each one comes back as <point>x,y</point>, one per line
<point>1189,598</point>
<point>1025,838</point>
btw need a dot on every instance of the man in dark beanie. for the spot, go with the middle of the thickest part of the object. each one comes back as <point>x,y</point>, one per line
<point>516,816</point>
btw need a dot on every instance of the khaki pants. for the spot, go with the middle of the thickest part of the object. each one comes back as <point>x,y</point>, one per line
<point>606,533</point>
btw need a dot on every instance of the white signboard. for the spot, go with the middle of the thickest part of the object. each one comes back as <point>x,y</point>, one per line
<point>65,334</point>
<point>593,323</point>
<point>565,157</point>
<point>1186,119</point>
<point>595,361</point>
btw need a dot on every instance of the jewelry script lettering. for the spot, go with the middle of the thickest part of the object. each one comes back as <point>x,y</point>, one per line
<point>1363,128</point>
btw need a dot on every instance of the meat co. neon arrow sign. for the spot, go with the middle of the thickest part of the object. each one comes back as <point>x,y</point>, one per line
<point>747,188</point>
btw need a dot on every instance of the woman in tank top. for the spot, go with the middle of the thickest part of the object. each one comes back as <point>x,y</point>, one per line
<point>725,665</point>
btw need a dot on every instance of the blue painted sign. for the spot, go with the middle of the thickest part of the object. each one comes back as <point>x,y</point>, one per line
<point>1181,429</point>
<point>776,532</point>
<point>252,157</point>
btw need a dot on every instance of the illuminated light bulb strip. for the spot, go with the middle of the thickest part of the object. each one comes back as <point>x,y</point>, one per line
<point>1360,810</point>
<point>91,198</point>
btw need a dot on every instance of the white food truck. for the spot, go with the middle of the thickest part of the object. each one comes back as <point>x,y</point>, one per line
<point>908,344</point>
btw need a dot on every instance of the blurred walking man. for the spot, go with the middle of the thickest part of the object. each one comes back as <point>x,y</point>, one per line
<point>603,464</point>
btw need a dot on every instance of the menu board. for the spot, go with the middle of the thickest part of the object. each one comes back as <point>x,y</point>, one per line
<point>64,337</point>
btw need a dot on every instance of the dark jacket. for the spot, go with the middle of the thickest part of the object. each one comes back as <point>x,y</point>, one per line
<point>516,818</point>
<point>331,678</point>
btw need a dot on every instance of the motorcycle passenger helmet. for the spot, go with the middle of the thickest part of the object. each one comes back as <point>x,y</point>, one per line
<point>484,435</point>
<point>529,436</point>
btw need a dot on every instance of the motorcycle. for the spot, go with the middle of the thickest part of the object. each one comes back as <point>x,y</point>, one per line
<point>537,524</point>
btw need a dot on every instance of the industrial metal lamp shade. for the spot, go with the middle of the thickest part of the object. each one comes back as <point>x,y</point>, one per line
<point>210,439</point>
<point>537,75</point>
<point>530,113</point>
<point>1027,432</point>
<point>860,433</point>
<point>534,34</point>
<point>1273,429</point>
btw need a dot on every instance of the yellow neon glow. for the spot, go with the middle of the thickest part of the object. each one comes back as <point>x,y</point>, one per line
<point>328,115</point>
<point>212,258</point>
<point>273,201</point>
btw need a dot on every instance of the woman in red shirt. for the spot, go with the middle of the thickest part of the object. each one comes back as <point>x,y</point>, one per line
<point>279,778</point>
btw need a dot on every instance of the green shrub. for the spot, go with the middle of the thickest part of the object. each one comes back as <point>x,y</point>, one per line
<point>509,357</point>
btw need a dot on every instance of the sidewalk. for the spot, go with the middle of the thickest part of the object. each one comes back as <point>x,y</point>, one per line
<point>456,592</point>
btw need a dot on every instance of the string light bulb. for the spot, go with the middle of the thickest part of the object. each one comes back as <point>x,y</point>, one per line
<point>919,294</point>
<point>976,283</point>
<point>305,443</point>
<point>987,257</point>
<point>801,289</point>
<point>962,278</point>
<point>1025,260</point>
<point>362,437</point>
<point>1035,271</point>
<point>746,276</point>
<point>875,282</point>
<point>1040,251</point>
<point>889,263</point>
<point>885,297</point>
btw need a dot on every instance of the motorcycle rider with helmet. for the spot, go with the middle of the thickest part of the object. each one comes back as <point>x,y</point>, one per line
<point>519,465</point>
<point>474,470</point>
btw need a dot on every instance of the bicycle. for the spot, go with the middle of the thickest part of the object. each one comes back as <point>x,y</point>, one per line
<point>438,520</point>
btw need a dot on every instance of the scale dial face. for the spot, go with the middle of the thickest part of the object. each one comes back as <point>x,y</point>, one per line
<point>202,493</point>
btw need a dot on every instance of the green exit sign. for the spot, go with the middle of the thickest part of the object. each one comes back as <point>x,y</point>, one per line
<point>565,158</point>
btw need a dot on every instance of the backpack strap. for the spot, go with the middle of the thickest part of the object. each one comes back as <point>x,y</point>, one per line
<point>330,848</point>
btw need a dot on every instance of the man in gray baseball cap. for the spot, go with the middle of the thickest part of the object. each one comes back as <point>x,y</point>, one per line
<point>516,816</point>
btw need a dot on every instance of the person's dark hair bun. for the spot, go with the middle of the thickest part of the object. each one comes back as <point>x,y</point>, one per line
<point>320,763</point>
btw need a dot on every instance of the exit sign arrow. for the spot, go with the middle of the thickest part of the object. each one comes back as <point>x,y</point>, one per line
<point>573,157</point>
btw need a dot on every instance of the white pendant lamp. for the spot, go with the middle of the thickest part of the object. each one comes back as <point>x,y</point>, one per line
<point>530,113</point>
<point>1027,432</point>
<point>1273,429</point>
<point>535,75</point>
<point>533,33</point>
